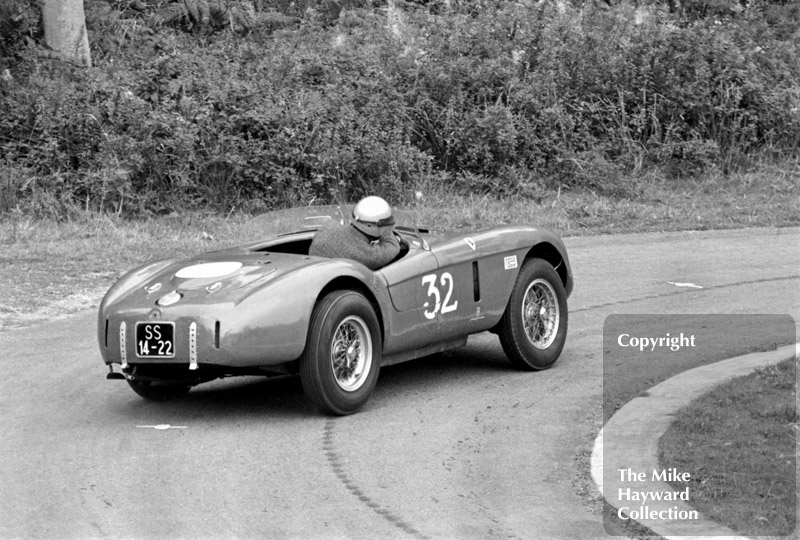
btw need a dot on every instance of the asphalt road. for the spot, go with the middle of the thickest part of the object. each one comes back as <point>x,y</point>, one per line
<point>453,446</point>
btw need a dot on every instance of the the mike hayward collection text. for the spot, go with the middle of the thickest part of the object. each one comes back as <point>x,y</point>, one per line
<point>631,495</point>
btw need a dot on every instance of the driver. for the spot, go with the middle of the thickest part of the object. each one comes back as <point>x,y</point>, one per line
<point>369,238</point>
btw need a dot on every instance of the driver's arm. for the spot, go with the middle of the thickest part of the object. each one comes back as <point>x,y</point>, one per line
<point>383,250</point>
<point>401,240</point>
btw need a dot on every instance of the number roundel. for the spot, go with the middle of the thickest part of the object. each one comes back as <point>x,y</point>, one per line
<point>437,306</point>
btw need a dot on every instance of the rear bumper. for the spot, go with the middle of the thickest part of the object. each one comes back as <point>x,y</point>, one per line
<point>181,374</point>
<point>198,342</point>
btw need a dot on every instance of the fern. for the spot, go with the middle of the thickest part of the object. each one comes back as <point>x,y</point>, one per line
<point>194,13</point>
<point>278,20</point>
<point>199,10</point>
<point>202,14</point>
<point>172,14</point>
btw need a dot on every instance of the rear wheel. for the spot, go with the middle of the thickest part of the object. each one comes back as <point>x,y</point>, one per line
<point>340,366</point>
<point>155,391</point>
<point>533,329</point>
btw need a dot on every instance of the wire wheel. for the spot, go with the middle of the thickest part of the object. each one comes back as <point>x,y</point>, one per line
<point>540,314</point>
<point>534,326</point>
<point>351,353</point>
<point>342,359</point>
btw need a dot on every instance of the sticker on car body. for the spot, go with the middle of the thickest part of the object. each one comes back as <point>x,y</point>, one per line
<point>510,262</point>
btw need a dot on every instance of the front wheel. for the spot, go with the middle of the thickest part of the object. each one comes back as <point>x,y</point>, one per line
<point>341,362</point>
<point>533,329</point>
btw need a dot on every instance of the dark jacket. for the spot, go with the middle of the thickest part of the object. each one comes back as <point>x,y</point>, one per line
<point>336,240</point>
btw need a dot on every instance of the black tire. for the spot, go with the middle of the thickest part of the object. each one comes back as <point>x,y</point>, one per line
<point>340,365</point>
<point>154,391</point>
<point>533,329</point>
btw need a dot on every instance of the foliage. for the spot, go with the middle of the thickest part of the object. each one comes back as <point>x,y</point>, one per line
<point>19,19</point>
<point>357,97</point>
<point>204,14</point>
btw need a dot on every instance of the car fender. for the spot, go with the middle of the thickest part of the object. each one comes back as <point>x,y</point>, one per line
<point>135,278</point>
<point>500,252</point>
<point>127,281</point>
<point>271,324</point>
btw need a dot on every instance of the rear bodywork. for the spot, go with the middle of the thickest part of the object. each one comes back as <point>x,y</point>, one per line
<point>246,310</point>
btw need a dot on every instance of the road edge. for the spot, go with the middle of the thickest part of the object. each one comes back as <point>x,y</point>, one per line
<point>640,423</point>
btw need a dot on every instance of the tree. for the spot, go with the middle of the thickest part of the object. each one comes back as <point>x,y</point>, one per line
<point>65,30</point>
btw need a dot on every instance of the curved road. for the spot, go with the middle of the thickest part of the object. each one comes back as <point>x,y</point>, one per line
<point>453,446</point>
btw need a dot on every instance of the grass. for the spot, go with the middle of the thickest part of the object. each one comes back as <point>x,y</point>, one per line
<point>739,445</point>
<point>768,197</point>
<point>52,269</point>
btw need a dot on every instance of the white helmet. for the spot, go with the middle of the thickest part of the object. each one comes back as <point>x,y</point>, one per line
<point>371,215</point>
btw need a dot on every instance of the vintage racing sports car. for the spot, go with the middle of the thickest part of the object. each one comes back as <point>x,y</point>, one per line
<point>268,308</point>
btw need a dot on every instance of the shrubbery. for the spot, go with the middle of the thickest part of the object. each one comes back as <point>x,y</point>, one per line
<point>512,97</point>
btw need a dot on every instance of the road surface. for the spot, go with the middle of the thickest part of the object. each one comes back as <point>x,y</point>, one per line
<point>453,446</point>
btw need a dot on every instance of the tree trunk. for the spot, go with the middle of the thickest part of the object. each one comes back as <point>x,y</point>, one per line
<point>65,30</point>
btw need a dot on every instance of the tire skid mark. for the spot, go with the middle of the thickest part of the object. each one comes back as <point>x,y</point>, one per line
<point>682,291</point>
<point>337,466</point>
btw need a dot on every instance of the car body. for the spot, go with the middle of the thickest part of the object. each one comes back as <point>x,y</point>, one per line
<point>267,307</point>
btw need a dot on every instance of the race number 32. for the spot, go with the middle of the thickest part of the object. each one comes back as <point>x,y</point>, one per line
<point>446,281</point>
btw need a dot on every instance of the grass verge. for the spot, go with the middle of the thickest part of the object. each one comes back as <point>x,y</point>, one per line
<point>53,268</point>
<point>739,445</point>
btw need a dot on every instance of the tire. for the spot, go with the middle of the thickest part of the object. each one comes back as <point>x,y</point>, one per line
<point>158,392</point>
<point>533,329</point>
<point>340,365</point>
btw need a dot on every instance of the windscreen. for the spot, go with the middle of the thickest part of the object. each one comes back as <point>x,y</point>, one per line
<point>310,218</point>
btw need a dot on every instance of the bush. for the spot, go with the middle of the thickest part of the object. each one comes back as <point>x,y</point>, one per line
<point>19,19</point>
<point>491,96</point>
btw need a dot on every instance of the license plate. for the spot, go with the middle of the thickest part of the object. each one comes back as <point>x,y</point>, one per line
<point>155,340</point>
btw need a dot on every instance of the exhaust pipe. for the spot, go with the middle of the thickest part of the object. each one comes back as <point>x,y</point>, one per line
<point>113,374</point>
